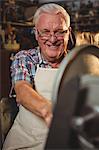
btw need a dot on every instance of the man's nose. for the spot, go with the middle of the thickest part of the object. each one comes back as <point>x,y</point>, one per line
<point>53,38</point>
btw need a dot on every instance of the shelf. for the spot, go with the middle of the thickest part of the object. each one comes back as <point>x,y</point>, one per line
<point>26,24</point>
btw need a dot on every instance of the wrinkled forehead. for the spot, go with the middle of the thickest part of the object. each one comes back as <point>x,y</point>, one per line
<point>50,19</point>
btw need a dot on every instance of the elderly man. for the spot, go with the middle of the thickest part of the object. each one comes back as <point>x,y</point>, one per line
<point>33,74</point>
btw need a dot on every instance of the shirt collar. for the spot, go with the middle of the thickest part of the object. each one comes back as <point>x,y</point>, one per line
<point>41,58</point>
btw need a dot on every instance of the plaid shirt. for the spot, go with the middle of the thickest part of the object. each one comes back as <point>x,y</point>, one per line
<point>25,64</point>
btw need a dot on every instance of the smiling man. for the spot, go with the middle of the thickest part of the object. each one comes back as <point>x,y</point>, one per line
<point>52,36</point>
<point>33,73</point>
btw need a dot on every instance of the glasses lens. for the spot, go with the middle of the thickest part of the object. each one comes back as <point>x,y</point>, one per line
<point>47,34</point>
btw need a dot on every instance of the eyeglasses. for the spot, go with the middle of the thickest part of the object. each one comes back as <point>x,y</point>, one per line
<point>48,34</point>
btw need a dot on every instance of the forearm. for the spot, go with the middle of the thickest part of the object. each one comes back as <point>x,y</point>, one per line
<point>32,101</point>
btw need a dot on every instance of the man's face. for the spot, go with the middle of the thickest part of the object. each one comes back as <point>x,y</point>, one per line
<point>52,36</point>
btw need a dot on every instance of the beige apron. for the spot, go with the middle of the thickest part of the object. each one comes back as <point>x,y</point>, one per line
<point>29,131</point>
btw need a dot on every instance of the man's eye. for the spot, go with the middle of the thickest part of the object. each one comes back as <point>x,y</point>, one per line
<point>45,32</point>
<point>59,32</point>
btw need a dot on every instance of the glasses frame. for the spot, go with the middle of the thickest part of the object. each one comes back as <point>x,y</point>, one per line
<point>56,34</point>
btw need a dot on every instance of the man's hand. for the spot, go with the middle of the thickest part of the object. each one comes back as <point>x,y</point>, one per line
<point>46,112</point>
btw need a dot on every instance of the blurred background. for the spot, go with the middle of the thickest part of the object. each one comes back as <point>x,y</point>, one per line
<point>16,28</point>
<point>16,34</point>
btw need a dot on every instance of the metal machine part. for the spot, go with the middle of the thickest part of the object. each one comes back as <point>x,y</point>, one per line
<point>76,112</point>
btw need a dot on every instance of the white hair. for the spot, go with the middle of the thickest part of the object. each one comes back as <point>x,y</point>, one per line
<point>51,8</point>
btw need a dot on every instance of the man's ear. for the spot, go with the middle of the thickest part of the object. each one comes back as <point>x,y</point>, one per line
<point>36,33</point>
<point>70,29</point>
